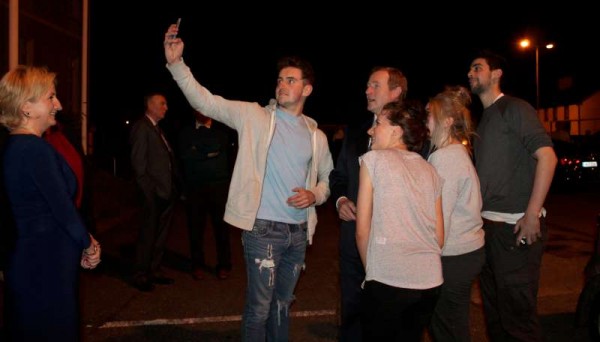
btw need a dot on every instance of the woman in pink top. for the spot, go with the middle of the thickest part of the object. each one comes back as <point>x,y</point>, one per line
<point>400,228</point>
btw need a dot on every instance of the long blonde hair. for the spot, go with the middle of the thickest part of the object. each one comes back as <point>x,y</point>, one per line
<point>19,85</point>
<point>453,103</point>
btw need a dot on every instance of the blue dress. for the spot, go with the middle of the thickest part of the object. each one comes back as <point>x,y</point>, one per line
<point>41,298</point>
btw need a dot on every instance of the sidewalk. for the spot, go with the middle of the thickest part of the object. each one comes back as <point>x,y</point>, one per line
<point>108,298</point>
<point>571,223</point>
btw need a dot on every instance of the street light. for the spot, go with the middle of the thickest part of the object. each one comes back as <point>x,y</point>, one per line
<point>525,44</point>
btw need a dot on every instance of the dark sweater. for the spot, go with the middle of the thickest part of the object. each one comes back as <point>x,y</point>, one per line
<point>509,133</point>
<point>204,155</point>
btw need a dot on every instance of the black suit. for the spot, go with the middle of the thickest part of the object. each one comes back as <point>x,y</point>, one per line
<point>343,181</point>
<point>204,154</point>
<point>155,174</point>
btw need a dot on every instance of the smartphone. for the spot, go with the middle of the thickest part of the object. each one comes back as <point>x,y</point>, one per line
<point>177,24</point>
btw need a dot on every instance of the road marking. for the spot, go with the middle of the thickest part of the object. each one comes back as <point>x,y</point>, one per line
<point>200,320</point>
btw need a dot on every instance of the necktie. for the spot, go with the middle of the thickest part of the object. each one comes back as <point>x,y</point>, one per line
<point>370,138</point>
<point>163,137</point>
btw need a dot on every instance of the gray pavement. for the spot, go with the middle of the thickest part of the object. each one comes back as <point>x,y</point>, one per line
<point>210,310</point>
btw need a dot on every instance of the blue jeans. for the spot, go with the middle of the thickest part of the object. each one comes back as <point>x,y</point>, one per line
<point>274,253</point>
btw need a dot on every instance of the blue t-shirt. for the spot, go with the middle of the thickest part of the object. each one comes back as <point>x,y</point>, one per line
<point>288,161</point>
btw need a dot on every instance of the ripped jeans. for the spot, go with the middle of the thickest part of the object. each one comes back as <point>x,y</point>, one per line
<point>274,253</point>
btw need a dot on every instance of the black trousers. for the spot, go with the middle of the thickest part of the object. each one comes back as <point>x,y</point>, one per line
<point>509,283</point>
<point>152,237</point>
<point>201,202</point>
<point>396,314</point>
<point>352,274</point>
<point>450,321</point>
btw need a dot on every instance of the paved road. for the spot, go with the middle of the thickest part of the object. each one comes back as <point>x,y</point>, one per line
<point>209,310</point>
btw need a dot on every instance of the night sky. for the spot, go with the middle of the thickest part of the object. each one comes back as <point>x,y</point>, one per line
<point>234,53</point>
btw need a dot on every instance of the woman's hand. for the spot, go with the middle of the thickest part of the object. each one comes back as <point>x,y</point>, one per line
<point>90,258</point>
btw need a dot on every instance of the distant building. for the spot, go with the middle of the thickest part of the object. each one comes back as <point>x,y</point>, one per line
<point>581,118</point>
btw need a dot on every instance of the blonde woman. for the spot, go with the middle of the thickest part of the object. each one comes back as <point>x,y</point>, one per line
<point>463,254</point>
<point>41,298</point>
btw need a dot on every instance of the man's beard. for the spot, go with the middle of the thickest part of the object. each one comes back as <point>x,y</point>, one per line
<point>477,89</point>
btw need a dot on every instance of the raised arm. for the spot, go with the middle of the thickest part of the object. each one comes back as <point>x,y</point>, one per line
<point>173,45</point>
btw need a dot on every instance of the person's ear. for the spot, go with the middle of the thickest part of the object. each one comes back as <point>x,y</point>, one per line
<point>307,90</point>
<point>448,122</point>
<point>496,74</point>
<point>396,93</point>
<point>26,109</point>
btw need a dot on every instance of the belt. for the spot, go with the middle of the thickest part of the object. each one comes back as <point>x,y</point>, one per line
<point>297,227</point>
<point>293,227</point>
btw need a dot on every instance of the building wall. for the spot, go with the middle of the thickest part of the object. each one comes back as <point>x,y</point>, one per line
<point>590,114</point>
<point>50,34</point>
<point>3,36</point>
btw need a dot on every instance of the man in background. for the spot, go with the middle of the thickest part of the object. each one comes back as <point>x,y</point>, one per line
<point>204,153</point>
<point>154,169</point>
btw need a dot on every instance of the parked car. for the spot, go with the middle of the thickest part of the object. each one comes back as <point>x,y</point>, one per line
<point>577,164</point>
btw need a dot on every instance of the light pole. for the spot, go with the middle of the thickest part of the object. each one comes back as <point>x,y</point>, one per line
<point>537,77</point>
<point>525,44</point>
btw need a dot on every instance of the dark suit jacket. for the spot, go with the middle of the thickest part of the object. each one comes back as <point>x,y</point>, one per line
<point>343,180</point>
<point>153,164</point>
<point>194,146</point>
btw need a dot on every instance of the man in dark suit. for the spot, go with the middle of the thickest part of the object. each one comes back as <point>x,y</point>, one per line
<point>154,169</point>
<point>385,85</point>
<point>204,151</point>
